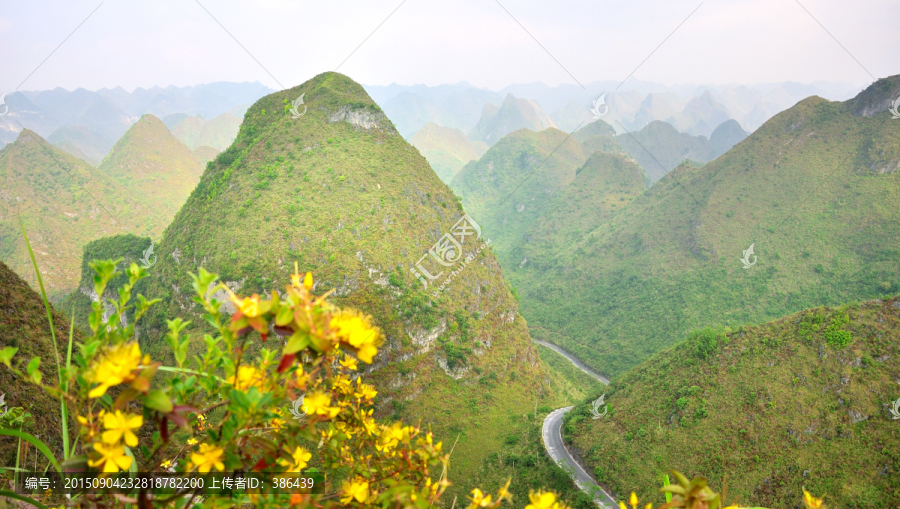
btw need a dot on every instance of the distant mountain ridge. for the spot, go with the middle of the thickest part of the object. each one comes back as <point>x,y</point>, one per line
<point>217,133</point>
<point>446,149</point>
<point>512,115</point>
<point>670,262</point>
<point>107,113</point>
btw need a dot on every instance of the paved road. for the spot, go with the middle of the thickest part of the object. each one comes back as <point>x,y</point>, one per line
<point>551,432</point>
<point>574,360</point>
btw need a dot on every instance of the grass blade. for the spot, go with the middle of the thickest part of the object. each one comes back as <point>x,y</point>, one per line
<point>23,498</point>
<point>41,446</point>
<point>37,272</point>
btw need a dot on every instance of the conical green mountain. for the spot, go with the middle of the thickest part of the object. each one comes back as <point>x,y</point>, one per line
<point>802,401</point>
<point>23,325</point>
<point>63,202</point>
<point>808,201</point>
<point>512,115</point>
<point>160,171</point>
<point>333,187</point>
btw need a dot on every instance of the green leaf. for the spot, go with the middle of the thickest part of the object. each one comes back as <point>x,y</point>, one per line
<point>157,400</point>
<point>297,342</point>
<point>39,445</point>
<point>285,316</point>
<point>33,365</point>
<point>7,354</point>
<point>15,496</point>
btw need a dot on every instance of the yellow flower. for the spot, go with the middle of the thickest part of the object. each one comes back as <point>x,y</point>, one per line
<point>479,499</point>
<point>207,458</point>
<point>249,306</point>
<point>811,501</point>
<point>542,500</point>
<point>119,425</point>
<point>247,377</point>
<point>300,458</point>
<point>192,441</point>
<point>277,424</point>
<point>365,391</point>
<point>166,464</point>
<point>319,403</point>
<point>117,365</point>
<point>355,330</point>
<point>113,458</point>
<point>307,280</point>
<point>349,363</point>
<point>633,502</point>
<point>357,490</point>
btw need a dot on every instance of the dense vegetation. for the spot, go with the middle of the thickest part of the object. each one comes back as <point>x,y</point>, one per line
<point>56,196</point>
<point>810,190</point>
<point>800,401</point>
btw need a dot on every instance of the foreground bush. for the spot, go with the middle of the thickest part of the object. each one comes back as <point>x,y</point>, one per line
<point>233,407</point>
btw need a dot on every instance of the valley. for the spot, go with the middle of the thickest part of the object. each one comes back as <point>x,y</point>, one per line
<point>460,274</point>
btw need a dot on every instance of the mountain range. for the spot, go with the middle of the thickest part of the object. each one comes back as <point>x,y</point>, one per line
<point>65,202</point>
<point>88,123</point>
<point>806,201</point>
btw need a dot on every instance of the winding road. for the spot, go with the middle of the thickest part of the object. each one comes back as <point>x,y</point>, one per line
<point>551,432</point>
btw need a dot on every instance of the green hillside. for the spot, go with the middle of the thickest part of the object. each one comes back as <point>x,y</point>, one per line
<point>64,203</point>
<point>533,166</point>
<point>813,190</point>
<point>602,187</point>
<point>23,325</point>
<point>446,149</point>
<point>802,401</point>
<point>341,193</point>
<point>160,171</point>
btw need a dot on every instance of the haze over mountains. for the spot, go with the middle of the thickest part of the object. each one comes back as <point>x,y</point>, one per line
<point>65,202</point>
<point>92,122</point>
<point>814,190</point>
<point>615,242</point>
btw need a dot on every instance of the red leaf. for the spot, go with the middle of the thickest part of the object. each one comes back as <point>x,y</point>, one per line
<point>286,362</point>
<point>260,465</point>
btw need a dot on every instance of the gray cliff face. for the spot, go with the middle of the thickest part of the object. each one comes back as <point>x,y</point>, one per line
<point>876,98</point>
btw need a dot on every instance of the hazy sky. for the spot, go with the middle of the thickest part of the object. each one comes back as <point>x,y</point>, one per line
<point>133,43</point>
